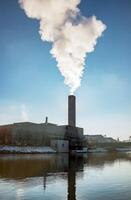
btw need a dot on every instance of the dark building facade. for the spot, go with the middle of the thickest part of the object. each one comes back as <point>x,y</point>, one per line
<point>32,134</point>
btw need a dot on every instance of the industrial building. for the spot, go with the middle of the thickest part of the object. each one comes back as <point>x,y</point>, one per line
<point>63,138</point>
<point>95,139</point>
<point>32,134</point>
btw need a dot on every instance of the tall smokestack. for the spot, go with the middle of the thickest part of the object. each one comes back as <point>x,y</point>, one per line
<point>71,110</point>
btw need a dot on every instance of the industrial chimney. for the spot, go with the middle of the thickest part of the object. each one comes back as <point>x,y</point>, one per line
<point>71,111</point>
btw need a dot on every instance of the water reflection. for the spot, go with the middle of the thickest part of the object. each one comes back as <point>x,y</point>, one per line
<point>25,168</point>
<point>75,165</point>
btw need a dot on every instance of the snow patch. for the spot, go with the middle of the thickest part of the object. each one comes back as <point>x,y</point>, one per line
<point>27,149</point>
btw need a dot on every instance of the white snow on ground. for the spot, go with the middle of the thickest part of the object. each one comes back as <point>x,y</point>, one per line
<point>28,149</point>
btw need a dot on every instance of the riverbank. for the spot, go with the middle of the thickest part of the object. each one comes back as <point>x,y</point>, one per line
<point>47,149</point>
<point>110,147</point>
<point>27,149</point>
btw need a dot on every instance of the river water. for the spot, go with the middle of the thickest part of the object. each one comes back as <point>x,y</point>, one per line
<point>58,177</point>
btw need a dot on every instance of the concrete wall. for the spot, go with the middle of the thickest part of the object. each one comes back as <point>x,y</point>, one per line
<point>36,134</point>
<point>55,131</point>
<point>29,134</point>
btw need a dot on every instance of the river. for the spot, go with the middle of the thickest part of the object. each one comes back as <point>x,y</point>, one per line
<point>97,176</point>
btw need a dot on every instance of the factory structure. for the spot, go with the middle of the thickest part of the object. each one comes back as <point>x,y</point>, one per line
<point>64,138</point>
<point>32,137</point>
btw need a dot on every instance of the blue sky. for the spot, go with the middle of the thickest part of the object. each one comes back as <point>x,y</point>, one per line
<point>31,86</point>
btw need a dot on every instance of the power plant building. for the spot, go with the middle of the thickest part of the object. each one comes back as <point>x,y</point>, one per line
<point>61,138</point>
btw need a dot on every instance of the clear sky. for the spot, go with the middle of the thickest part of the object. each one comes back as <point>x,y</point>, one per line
<point>31,86</point>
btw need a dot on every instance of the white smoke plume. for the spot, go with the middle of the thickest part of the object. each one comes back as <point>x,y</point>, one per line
<point>24,113</point>
<point>72,35</point>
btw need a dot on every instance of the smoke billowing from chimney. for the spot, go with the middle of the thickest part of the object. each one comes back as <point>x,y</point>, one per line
<point>72,35</point>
